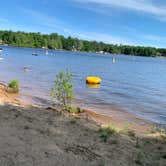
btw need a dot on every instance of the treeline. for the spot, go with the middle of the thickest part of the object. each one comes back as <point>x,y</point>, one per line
<point>56,41</point>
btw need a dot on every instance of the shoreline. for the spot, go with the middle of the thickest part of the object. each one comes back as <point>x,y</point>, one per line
<point>118,118</point>
<point>105,53</point>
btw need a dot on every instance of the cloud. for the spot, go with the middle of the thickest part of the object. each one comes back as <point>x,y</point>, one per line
<point>60,27</point>
<point>146,6</point>
<point>155,38</point>
<point>91,36</point>
<point>44,20</point>
<point>3,20</point>
<point>104,37</point>
<point>56,25</point>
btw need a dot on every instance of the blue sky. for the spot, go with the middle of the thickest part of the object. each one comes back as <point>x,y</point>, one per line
<point>133,22</point>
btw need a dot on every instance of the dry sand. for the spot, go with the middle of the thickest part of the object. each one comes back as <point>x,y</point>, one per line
<point>32,136</point>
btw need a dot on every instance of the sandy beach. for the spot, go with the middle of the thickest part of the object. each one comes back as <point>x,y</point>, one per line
<point>33,136</point>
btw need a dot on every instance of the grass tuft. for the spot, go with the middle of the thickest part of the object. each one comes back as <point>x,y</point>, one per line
<point>131,133</point>
<point>140,159</point>
<point>105,133</point>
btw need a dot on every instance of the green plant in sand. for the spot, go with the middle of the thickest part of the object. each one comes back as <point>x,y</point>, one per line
<point>105,133</point>
<point>13,86</point>
<point>62,90</point>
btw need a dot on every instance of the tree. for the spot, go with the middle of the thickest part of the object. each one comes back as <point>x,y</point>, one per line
<point>54,40</point>
<point>62,90</point>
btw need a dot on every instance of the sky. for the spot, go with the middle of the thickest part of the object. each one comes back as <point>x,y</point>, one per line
<point>131,22</point>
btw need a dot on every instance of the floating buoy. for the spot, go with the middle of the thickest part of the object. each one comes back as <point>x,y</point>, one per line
<point>93,80</point>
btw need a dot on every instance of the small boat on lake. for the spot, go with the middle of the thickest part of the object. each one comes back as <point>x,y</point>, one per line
<point>1,49</point>
<point>35,54</point>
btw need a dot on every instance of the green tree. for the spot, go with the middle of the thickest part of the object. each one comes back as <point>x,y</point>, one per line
<point>62,90</point>
<point>54,40</point>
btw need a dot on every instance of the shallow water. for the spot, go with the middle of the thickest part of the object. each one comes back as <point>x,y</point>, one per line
<point>133,84</point>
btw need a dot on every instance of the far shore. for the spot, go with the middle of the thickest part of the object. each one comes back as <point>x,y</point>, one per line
<point>94,52</point>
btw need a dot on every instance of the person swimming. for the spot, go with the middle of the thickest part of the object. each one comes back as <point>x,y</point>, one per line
<point>26,69</point>
<point>113,60</point>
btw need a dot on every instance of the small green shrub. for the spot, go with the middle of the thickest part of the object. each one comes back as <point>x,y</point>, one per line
<point>131,133</point>
<point>105,133</point>
<point>62,90</point>
<point>157,129</point>
<point>101,163</point>
<point>139,159</point>
<point>163,156</point>
<point>73,109</point>
<point>114,142</point>
<point>137,145</point>
<point>73,121</point>
<point>14,84</point>
<point>163,136</point>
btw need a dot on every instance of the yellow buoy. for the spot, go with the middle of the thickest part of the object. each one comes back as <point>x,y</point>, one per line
<point>93,80</point>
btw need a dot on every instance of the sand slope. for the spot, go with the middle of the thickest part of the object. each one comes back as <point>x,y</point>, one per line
<point>38,137</point>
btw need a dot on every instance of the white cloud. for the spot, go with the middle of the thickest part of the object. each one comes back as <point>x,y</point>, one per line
<point>3,20</point>
<point>155,38</point>
<point>104,37</point>
<point>110,39</point>
<point>44,20</point>
<point>56,25</point>
<point>145,6</point>
<point>59,26</point>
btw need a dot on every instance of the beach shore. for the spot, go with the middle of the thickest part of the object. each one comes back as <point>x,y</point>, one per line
<point>118,117</point>
<point>43,136</point>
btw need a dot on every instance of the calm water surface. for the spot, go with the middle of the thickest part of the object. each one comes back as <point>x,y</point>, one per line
<point>133,84</point>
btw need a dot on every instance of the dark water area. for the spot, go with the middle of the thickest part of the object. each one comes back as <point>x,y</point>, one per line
<point>133,84</point>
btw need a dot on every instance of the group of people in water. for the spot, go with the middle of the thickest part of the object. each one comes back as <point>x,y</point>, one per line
<point>26,69</point>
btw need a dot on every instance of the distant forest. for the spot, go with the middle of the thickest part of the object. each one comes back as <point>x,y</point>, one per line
<point>56,41</point>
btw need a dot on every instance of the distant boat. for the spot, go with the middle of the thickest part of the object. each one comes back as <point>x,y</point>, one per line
<point>35,54</point>
<point>1,49</point>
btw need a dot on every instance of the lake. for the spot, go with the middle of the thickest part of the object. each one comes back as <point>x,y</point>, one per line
<point>133,84</point>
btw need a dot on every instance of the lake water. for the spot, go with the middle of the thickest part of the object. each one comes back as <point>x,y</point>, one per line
<point>133,84</point>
